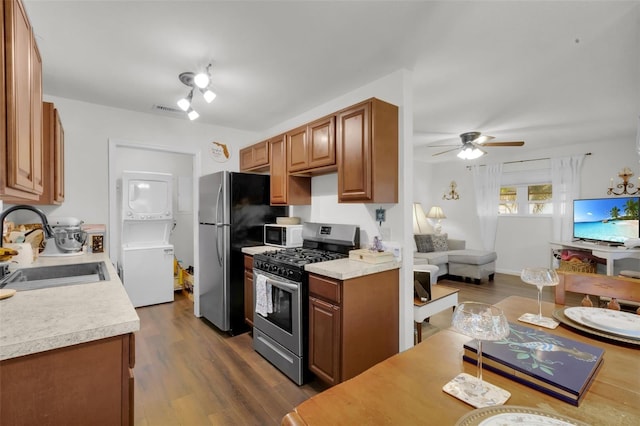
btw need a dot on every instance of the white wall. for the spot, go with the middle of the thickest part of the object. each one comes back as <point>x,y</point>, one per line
<point>88,128</point>
<point>520,241</point>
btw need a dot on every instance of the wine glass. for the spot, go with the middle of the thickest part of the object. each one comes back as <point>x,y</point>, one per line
<point>479,321</point>
<point>540,277</point>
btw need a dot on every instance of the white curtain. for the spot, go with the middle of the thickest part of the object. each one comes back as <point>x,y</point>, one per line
<point>565,179</point>
<point>638,139</point>
<point>486,181</point>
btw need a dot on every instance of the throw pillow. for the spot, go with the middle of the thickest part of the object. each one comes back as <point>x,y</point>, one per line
<point>440,242</point>
<point>424,243</point>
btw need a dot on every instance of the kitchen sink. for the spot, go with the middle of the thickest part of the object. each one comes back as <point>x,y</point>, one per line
<point>55,276</point>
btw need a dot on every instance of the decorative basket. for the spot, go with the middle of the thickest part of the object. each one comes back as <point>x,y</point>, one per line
<point>572,266</point>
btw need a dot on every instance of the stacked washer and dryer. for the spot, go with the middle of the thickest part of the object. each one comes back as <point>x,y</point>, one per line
<point>146,257</point>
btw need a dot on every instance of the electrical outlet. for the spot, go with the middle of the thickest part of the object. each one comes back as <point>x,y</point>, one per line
<point>385,233</point>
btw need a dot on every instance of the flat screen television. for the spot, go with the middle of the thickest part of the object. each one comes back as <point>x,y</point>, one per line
<point>610,220</point>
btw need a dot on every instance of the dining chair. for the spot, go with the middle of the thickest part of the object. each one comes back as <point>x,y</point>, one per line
<point>606,286</point>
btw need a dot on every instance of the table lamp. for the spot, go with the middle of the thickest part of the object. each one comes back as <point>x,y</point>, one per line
<point>436,212</point>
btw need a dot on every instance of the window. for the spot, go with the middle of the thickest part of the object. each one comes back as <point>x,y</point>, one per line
<point>524,200</point>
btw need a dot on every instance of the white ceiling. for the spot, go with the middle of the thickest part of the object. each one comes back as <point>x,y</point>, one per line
<point>545,72</point>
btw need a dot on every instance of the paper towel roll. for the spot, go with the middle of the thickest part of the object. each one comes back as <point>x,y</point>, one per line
<point>25,253</point>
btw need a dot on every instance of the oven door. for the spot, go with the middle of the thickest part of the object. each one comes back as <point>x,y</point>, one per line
<point>284,323</point>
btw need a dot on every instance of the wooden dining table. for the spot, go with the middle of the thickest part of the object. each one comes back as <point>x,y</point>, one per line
<point>406,389</point>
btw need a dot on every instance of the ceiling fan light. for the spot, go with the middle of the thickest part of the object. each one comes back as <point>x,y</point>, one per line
<point>201,80</point>
<point>192,114</point>
<point>475,153</point>
<point>470,153</point>
<point>463,154</point>
<point>208,95</point>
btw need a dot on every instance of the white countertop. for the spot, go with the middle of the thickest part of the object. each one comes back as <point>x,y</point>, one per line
<point>341,269</point>
<point>344,269</point>
<point>258,249</point>
<point>40,320</point>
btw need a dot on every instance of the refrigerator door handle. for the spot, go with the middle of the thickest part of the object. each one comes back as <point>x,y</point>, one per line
<point>217,220</point>
<point>219,245</point>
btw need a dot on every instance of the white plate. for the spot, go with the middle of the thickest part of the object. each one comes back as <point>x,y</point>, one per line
<point>515,415</point>
<point>616,322</point>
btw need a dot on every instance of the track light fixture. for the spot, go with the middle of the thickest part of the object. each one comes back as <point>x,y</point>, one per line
<point>192,114</point>
<point>201,81</point>
<point>185,103</point>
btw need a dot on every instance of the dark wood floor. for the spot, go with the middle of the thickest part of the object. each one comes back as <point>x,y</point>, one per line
<point>188,373</point>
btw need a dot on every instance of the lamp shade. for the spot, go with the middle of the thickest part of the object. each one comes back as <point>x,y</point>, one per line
<point>420,223</point>
<point>208,95</point>
<point>201,80</point>
<point>192,114</point>
<point>436,212</point>
<point>185,103</point>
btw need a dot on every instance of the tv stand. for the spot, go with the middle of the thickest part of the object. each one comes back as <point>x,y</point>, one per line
<point>598,243</point>
<point>607,252</point>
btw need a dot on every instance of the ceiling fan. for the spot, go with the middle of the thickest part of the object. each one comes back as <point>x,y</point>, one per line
<point>471,143</point>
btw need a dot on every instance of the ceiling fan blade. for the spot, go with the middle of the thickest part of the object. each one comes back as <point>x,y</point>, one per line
<point>444,152</point>
<point>513,143</point>
<point>442,146</point>
<point>483,139</point>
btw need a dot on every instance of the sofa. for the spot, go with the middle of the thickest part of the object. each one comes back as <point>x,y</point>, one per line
<point>453,258</point>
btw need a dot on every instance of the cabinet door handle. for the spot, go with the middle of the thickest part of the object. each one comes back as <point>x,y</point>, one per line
<point>324,304</point>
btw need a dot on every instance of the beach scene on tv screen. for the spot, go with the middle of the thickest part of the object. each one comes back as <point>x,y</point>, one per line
<point>606,219</point>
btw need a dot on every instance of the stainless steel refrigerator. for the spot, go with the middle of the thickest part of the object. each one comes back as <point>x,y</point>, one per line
<point>233,209</point>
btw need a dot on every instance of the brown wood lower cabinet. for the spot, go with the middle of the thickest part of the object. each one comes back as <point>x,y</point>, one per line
<point>248,290</point>
<point>353,324</point>
<point>85,384</point>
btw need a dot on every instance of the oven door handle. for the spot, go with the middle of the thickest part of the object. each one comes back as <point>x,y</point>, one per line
<point>281,284</point>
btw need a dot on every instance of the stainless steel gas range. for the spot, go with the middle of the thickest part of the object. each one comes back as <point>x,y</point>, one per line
<point>280,291</point>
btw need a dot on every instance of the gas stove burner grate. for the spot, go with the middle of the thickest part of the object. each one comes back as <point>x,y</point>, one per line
<point>302,256</point>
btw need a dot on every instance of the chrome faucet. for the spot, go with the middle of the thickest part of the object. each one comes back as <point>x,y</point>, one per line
<point>48,232</point>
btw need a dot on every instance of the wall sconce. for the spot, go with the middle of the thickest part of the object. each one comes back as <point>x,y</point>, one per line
<point>625,175</point>
<point>452,194</point>
<point>436,212</point>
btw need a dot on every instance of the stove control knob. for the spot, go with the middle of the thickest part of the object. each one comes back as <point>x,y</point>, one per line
<point>290,273</point>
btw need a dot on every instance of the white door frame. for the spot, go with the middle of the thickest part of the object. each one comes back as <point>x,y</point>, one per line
<point>114,145</point>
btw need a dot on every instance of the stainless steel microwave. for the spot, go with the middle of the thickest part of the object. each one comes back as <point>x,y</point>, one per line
<point>284,236</point>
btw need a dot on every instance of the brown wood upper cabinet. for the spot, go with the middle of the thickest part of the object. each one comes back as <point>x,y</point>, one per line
<point>286,189</point>
<point>360,142</point>
<point>255,157</point>
<point>21,104</point>
<point>367,143</point>
<point>53,154</point>
<point>311,148</point>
